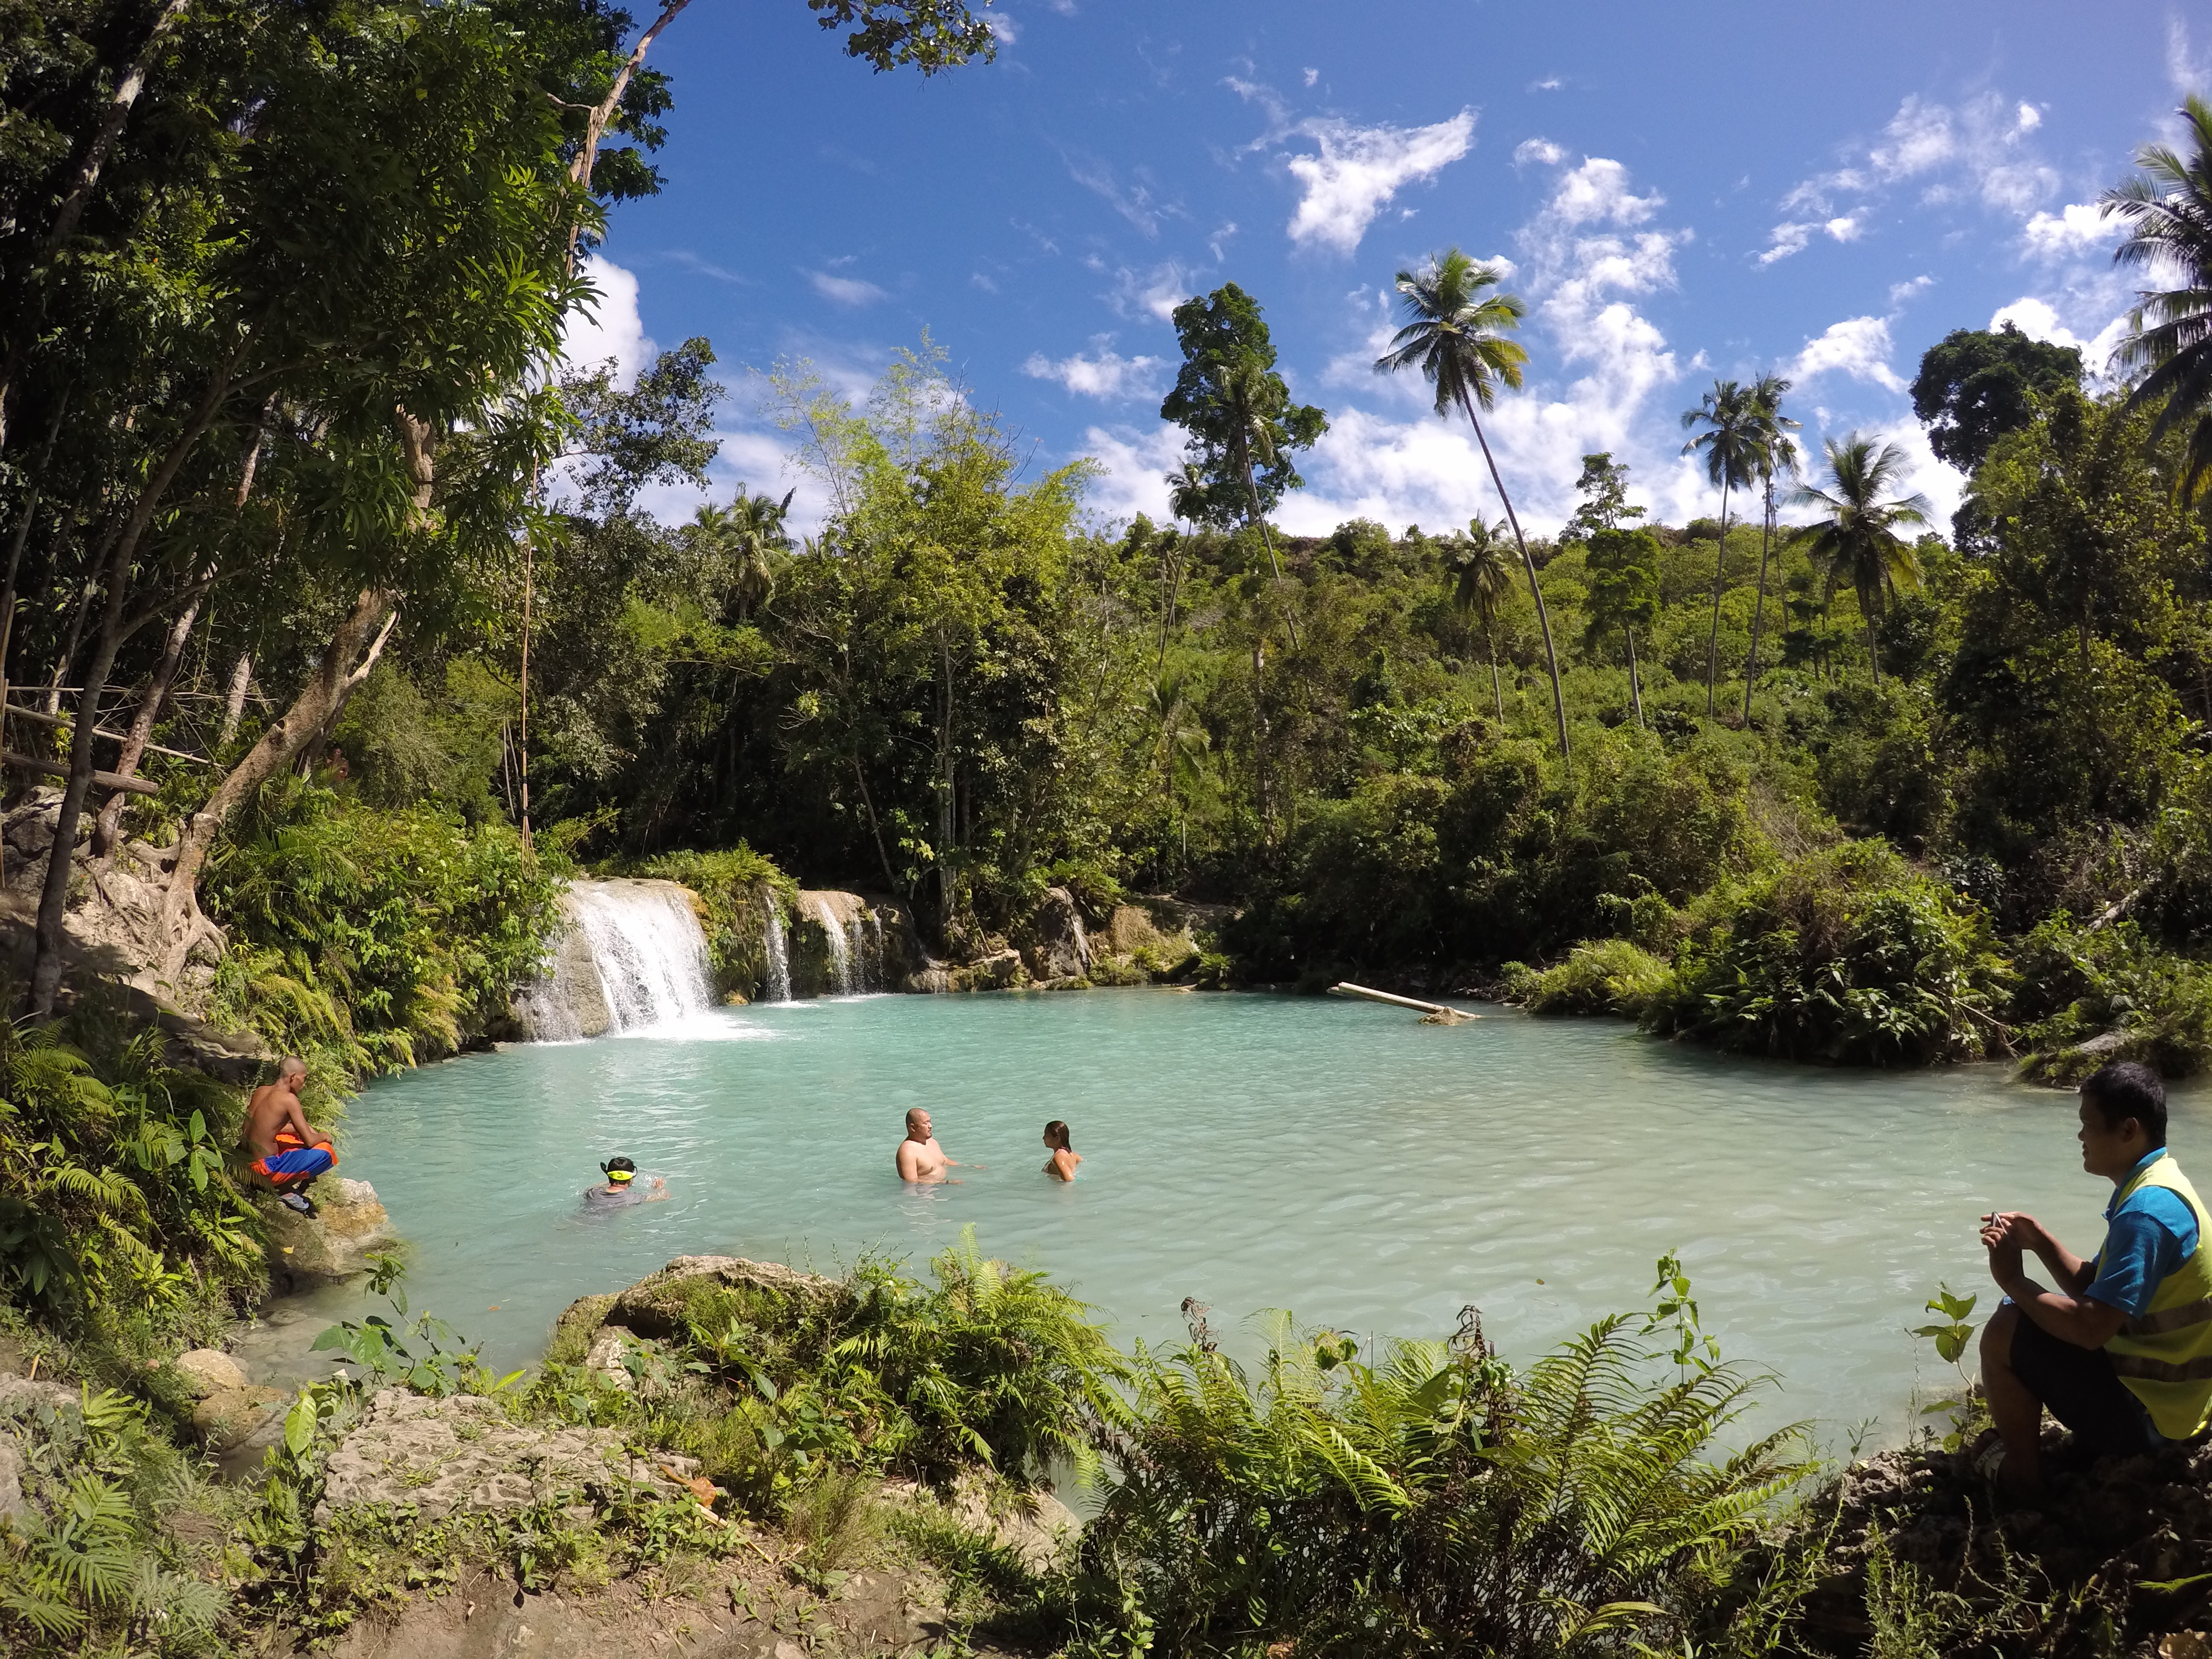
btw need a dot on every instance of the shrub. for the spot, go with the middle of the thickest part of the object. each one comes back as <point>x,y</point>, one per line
<point>382,937</point>
<point>2080,984</point>
<point>1601,977</point>
<point>1429,1500</point>
<point>734,884</point>
<point>1848,956</point>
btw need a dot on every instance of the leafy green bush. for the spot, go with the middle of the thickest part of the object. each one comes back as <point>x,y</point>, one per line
<point>2079,984</point>
<point>1601,977</point>
<point>115,1196</point>
<point>1429,1500</point>
<point>382,938</point>
<point>735,884</point>
<point>1848,956</point>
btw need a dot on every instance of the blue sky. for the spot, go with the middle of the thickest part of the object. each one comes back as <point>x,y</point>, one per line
<point>1682,192</point>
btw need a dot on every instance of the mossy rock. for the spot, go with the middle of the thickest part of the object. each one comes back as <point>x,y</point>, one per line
<point>663,1303</point>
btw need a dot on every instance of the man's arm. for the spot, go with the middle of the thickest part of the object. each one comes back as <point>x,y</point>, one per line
<point>298,1119</point>
<point>2071,1271</point>
<point>2082,1320</point>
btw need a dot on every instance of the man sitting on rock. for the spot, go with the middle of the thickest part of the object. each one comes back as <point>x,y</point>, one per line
<point>291,1151</point>
<point>2121,1353</point>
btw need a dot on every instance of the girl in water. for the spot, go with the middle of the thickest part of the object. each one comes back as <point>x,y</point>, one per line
<point>1062,1164</point>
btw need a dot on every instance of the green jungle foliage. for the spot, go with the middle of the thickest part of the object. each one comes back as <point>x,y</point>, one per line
<point>734,887</point>
<point>1848,955</point>
<point>376,936</point>
<point>1601,977</point>
<point>117,1202</point>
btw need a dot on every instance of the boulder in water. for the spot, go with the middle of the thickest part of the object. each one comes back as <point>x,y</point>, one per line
<point>331,1245</point>
<point>210,1371</point>
<point>655,1305</point>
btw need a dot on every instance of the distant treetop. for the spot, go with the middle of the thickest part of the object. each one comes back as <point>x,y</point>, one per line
<point>1973,388</point>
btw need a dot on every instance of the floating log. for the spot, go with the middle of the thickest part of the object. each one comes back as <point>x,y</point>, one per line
<point>54,769</point>
<point>1431,1013</point>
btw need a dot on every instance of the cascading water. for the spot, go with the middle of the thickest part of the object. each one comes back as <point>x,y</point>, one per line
<point>648,946</point>
<point>779,957</point>
<point>840,948</point>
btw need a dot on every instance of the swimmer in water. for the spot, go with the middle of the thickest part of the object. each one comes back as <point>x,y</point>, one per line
<point>622,1189</point>
<point>1060,1166</point>
<point>920,1158</point>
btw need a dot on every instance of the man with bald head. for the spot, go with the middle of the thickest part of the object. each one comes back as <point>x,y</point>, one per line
<point>290,1151</point>
<point>921,1159</point>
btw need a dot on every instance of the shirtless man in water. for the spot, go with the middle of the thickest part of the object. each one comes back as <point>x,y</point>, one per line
<point>920,1158</point>
<point>290,1151</point>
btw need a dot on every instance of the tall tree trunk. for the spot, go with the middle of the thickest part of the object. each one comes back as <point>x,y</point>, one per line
<point>61,859</point>
<point>1259,746</point>
<point>142,726</point>
<point>66,658</point>
<point>1635,685</point>
<point>595,127</point>
<point>891,881</point>
<point>233,708</point>
<point>352,652</point>
<point>945,802</point>
<point>1758,611</point>
<point>1720,574</point>
<point>1536,590</point>
<point>1497,687</point>
<point>1260,520</point>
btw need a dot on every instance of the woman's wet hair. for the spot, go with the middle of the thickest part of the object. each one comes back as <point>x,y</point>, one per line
<point>1056,1133</point>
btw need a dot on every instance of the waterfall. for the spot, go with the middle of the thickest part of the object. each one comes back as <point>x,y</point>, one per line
<point>779,957</point>
<point>840,948</point>
<point>647,944</point>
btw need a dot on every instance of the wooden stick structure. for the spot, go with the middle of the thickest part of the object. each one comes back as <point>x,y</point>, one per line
<point>1431,1013</point>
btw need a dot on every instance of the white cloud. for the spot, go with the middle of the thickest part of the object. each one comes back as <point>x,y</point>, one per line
<point>611,326</point>
<point>1133,465</point>
<point>1313,77</point>
<point>1977,150</point>
<point>2017,187</point>
<point>1858,346</point>
<point>845,290</point>
<point>1919,136</point>
<point>1107,376</point>
<point>1843,229</point>
<point>1785,240</point>
<point>1911,290</point>
<point>1133,202</point>
<point>1154,293</point>
<point>1549,83</point>
<point>2075,228</point>
<point>1359,169</point>
<point>2029,119</point>
<point>1542,150</point>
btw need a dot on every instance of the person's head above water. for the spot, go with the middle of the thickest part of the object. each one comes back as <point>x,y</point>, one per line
<point>917,1124</point>
<point>619,1171</point>
<point>2122,1117</point>
<point>1055,1136</point>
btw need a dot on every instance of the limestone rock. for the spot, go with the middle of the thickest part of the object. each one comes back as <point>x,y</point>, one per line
<point>331,1245</point>
<point>440,1456</point>
<point>231,1415</point>
<point>13,1505</point>
<point>1053,944</point>
<point>210,1371</point>
<point>653,1306</point>
<point>1032,1523</point>
<point>605,1360</point>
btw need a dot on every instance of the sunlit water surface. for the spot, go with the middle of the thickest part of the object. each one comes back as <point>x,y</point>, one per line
<point>1336,1158</point>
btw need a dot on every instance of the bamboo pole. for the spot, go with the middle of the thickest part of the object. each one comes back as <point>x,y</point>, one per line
<point>1431,1013</point>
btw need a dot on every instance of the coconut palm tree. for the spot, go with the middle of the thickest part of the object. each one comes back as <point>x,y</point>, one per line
<point>1482,576</point>
<point>1455,334</point>
<point>748,534</point>
<point>1256,399</point>
<point>2168,210</point>
<point>1777,458</point>
<point>1858,540</point>
<point>1730,445</point>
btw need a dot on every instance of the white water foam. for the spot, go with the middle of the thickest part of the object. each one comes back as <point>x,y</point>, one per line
<point>778,956</point>
<point>649,950</point>
<point>840,948</point>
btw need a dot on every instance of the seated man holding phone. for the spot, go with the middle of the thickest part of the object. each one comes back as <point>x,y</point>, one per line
<point>2121,1351</point>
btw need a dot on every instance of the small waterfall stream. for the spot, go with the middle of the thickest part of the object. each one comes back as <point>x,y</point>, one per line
<point>647,943</point>
<point>634,957</point>
<point>840,948</point>
<point>778,956</point>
